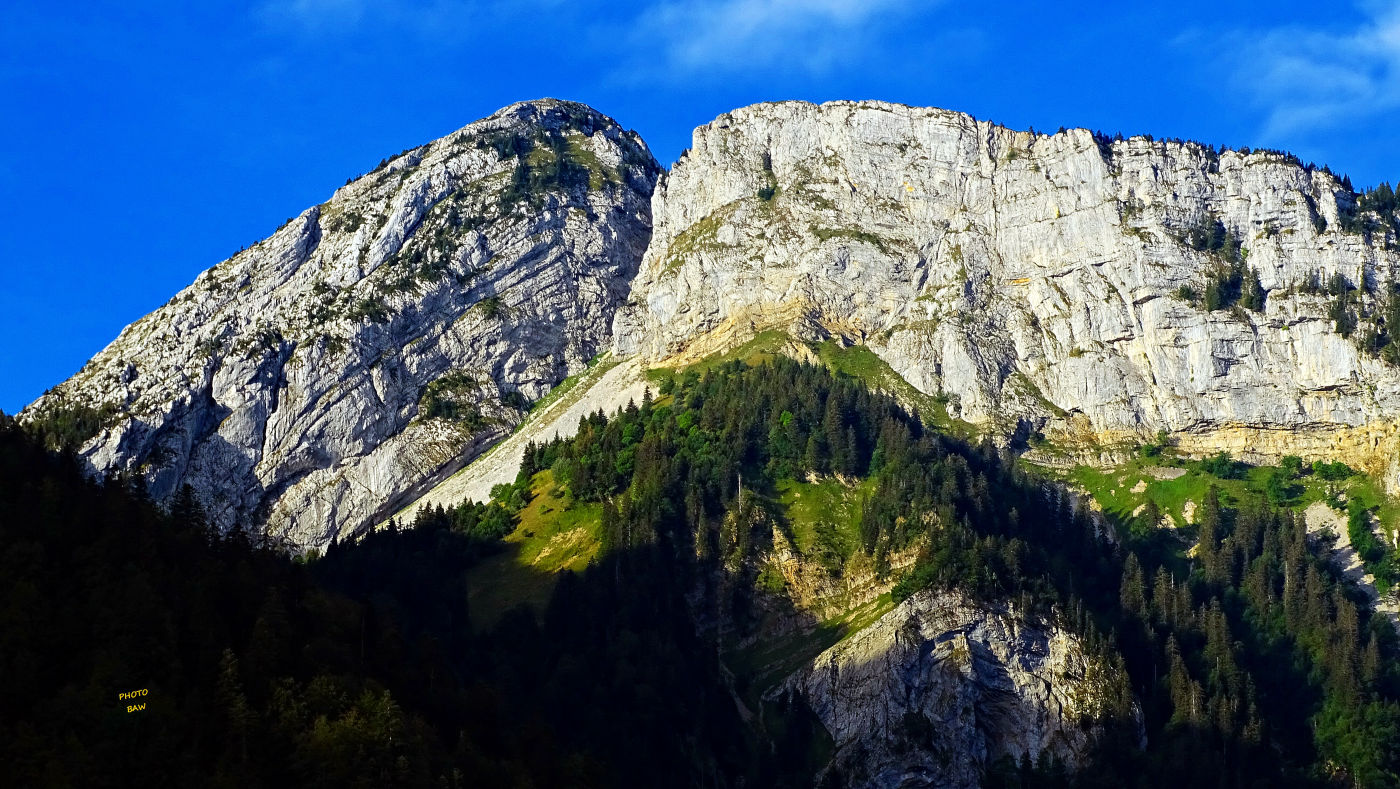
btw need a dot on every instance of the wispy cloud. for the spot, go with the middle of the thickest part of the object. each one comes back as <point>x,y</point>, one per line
<point>319,18</point>
<point>1307,81</point>
<point>811,36</point>
<point>314,16</point>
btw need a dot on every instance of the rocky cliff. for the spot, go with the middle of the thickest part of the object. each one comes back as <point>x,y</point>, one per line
<point>1097,290</point>
<point>377,342</point>
<point>941,688</point>
<point>1092,289</point>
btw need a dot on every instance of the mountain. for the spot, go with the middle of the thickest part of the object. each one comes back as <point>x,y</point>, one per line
<point>1094,290</point>
<point>766,576</point>
<point>422,657</point>
<point>1083,290</point>
<point>904,450</point>
<point>378,341</point>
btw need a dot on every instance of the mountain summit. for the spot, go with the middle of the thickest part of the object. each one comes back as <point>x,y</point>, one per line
<point>380,340</point>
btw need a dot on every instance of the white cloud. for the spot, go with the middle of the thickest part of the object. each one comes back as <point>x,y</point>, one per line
<point>800,35</point>
<point>1308,80</point>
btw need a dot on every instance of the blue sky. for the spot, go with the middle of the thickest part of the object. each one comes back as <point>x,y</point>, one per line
<point>145,141</point>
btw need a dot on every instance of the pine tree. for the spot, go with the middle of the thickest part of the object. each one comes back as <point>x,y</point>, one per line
<point>186,511</point>
<point>1208,533</point>
<point>1254,294</point>
<point>814,458</point>
<point>235,705</point>
<point>1131,594</point>
<point>1164,597</point>
<point>1371,662</point>
<point>610,534</point>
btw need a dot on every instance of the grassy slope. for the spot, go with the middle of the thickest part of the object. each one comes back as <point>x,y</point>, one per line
<point>767,662</point>
<point>824,517</point>
<point>555,533</point>
<point>762,348</point>
<point>1113,489</point>
<point>1371,493</point>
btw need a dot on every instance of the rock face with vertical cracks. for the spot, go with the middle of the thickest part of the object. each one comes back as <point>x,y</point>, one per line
<point>377,342</point>
<point>942,687</point>
<point>1031,279</point>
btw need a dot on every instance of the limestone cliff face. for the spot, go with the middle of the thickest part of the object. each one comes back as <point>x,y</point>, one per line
<point>334,372</point>
<point>379,341</point>
<point>1024,276</point>
<point>941,688</point>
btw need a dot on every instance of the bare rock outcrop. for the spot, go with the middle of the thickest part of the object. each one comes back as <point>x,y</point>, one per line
<point>941,688</point>
<point>375,344</point>
<point>1057,280</point>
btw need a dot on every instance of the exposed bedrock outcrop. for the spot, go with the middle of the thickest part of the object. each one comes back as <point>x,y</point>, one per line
<point>319,379</point>
<point>941,688</point>
<point>1028,276</point>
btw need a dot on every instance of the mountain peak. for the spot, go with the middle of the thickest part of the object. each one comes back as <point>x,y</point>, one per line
<point>378,341</point>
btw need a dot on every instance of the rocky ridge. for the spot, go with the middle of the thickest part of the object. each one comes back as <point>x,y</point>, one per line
<point>940,688</point>
<point>1037,282</point>
<point>378,341</point>
<point>333,373</point>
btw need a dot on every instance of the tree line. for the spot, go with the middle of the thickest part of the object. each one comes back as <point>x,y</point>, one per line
<point>1253,663</point>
